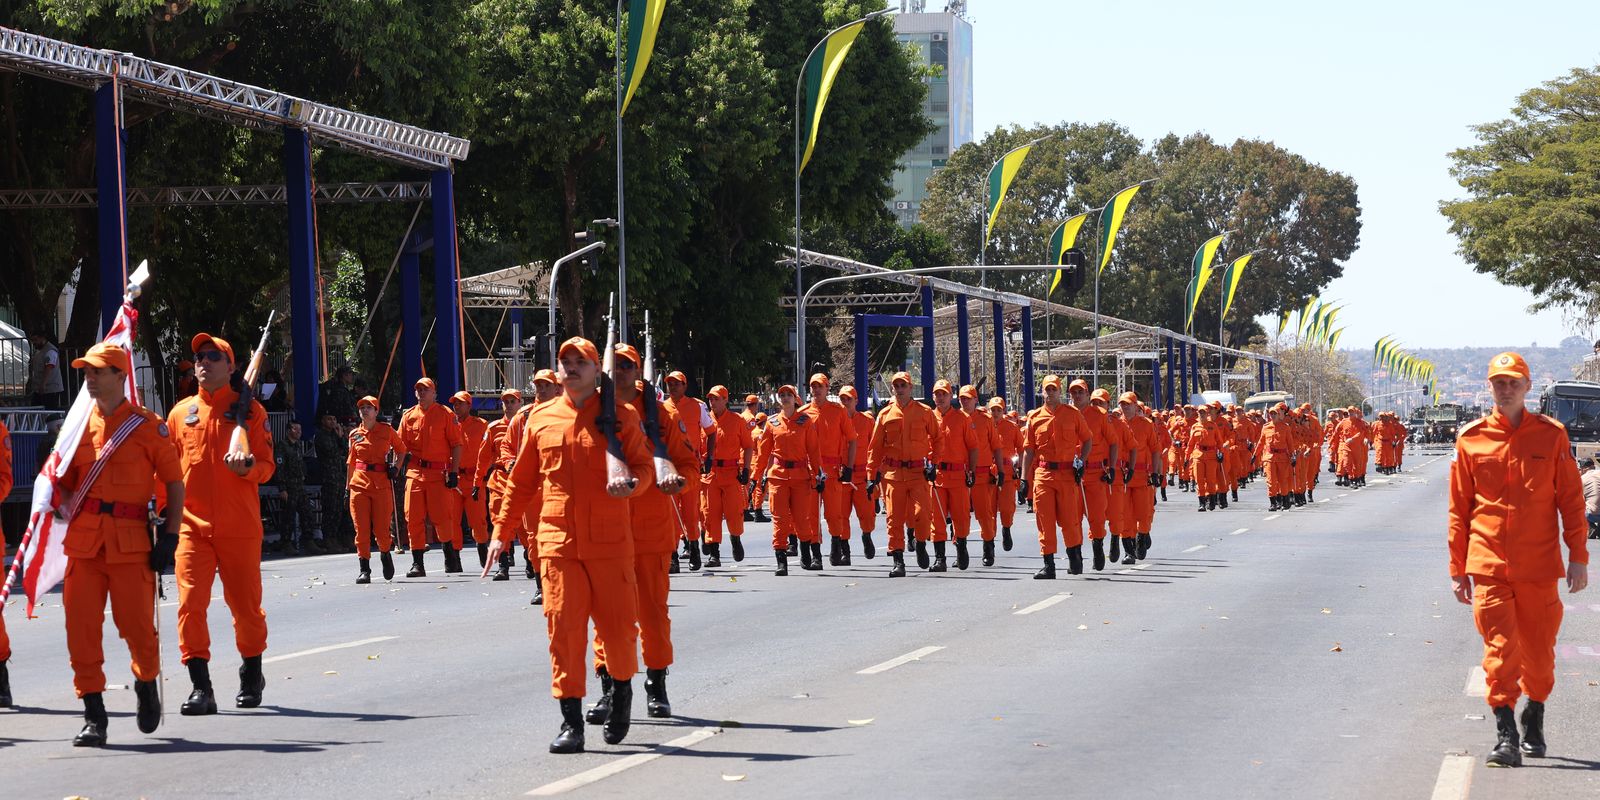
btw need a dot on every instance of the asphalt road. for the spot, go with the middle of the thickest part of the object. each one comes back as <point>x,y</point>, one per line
<point>1314,653</point>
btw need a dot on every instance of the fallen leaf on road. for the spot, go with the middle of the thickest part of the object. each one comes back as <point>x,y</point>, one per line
<point>998,718</point>
<point>1040,744</point>
<point>331,672</point>
<point>867,721</point>
<point>1337,648</point>
<point>1427,641</point>
<point>1106,622</point>
<point>732,579</point>
<point>441,587</point>
<point>1083,627</point>
<point>1255,763</point>
<point>1327,611</point>
<point>800,696</point>
<point>373,657</point>
<point>732,777</point>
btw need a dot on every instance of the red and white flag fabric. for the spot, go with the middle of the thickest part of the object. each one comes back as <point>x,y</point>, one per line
<point>41,563</point>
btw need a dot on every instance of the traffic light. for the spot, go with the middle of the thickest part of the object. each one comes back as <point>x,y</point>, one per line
<point>1076,265</point>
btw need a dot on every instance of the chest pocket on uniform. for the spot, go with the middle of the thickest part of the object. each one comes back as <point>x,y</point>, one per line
<point>552,450</point>
<point>1489,475</point>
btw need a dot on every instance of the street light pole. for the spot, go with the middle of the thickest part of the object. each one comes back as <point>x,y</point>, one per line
<point>555,269</point>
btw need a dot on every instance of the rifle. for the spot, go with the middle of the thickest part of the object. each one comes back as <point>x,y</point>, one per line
<point>606,420</point>
<point>665,472</point>
<point>239,441</point>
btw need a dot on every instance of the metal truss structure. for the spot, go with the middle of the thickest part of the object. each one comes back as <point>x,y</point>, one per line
<point>848,300</point>
<point>261,195</point>
<point>522,286</point>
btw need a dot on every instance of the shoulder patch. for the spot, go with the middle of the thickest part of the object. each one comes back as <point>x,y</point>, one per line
<point>161,428</point>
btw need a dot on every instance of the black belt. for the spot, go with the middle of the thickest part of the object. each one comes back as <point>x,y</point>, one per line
<point>905,464</point>
<point>790,464</point>
<point>1057,464</point>
<point>421,464</point>
<point>118,510</point>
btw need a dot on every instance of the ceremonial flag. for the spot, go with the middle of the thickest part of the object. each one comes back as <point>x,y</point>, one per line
<point>1065,236</point>
<point>1230,280</point>
<point>644,19</point>
<point>820,70</point>
<point>1305,314</point>
<point>1001,175</point>
<point>40,561</point>
<point>1283,321</point>
<point>1202,274</point>
<point>1333,339</point>
<point>1377,349</point>
<point>1111,221</point>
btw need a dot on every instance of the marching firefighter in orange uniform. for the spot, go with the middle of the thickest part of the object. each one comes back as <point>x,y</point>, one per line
<point>954,459</point>
<point>433,443</point>
<point>756,492</point>
<point>546,387</point>
<point>5,641</point>
<point>904,440</point>
<point>585,536</point>
<point>469,491</point>
<point>990,479</point>
<point>724,473</point>
<point>1278,442</point>
<point>1056,447</point>
<point>1119,510</point>
<point>1009,435</point>
<point>1331,445</point>
<point>1353,437</point>
<point>790,457</point>
<point>692,413</point>
<point>491,474</point>
<point>1096,486</point>
<point>859,498</point>
<point>1142,473</point>
<point>124,452</point>
<point>369,472</point>
<point>1515,495</point>
<point>1312,465</point>
<point>1206,459</point>
<point>221,532</point>
<point>836,438</point>
<point>655,538</point>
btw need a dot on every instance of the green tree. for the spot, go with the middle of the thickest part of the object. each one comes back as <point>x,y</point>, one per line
<point>1531,217</point>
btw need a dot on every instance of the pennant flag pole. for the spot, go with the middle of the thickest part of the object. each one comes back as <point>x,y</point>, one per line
<point>1283,321</point>
<point>1111,222</point>
<point>1230,279</point>
<point>1200,268</point>
<point>1065,236</point>
<point>1001,175</point>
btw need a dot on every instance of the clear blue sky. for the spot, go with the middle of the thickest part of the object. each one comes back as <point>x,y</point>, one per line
<point>1381,91</point>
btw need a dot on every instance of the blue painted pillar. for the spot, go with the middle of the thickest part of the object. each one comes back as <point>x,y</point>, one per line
<point>447,333</point>
<point>1171,398</point>
<point>410,320</point>
<point>303,311</point>
<point>1194,360</point>
<point>110,175</point>
<point>1000,350</point>
<point>1182,397</point>
<point>1027,359</point>
<point>1155,380</point>
<point>1272,377</point>
<point>862,388</point>
<point>927,343</point>
<point>963,340</point>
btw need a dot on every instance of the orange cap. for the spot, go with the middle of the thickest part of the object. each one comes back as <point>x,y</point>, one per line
<point>548,376</point>
<point>847,391</point>
<point>1508,363</point>
<point>627,351</point>
<point>942,385</point>
<point>677,376</point>
<point>582,346</point>
<point>185,364</point>
<point>105,354</point>
<point>995,402</point>
<point>901,377</point>
<point>1128,397</point>
<point>462,396</point>
<point>1100,395</point>
<point>426,383</point>
<point>817,378</point>
<point>369,400</point>
<point>1078,383</point>
<point>718,391</point>
<point>788,387</point>
<point>202,339</point>
<point>969,391</point>
<point>750,398</point>
<point>506,394</point>
<point>1049,381</point>
<point>761,416</point>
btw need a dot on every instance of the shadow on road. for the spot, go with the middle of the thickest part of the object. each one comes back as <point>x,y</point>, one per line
<point>1569,763</point>
<point>279,747</point>
<point>696,722</point>
<point>306,713</point>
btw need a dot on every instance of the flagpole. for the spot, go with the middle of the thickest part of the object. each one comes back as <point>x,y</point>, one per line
<point>1099,268</point>
<point>622,218</point>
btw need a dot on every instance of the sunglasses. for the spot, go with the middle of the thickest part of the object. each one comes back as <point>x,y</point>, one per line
<point>210,355</point>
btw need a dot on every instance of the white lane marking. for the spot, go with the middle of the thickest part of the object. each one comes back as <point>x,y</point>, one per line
<point>1271,518</point>
<point>1455,778</point>
<point>1237,532</point>
<point>1042,604</point>
<point>1344,495</point>
<point>315,650</point>
<point>1477,682</point>
<point>899,660</point>
<point>1197,548</point>
<point>637,759</point>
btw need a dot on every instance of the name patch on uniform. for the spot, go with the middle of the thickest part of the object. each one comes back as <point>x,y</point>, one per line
<point>162,429</point>
<point>194,416</point>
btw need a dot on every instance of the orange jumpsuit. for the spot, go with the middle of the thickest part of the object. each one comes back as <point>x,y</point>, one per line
<point>1141,444</point>
<point>221,532</point>
<point>691,412</point>
<point>522,526</point>
<point>108,544</point>
<point>1096,493</point>
<point>1278,444</point>
<point>1181,425</point>
<point>584,535</point>
<point>1354,439</point>
<point>1311,460</point>
<point>835,433</point>
<point>1514,496</point>
<point>866,512</point>
<point>1331,444</point>
<point>429,435</point>
<point>1009,435</point>
<point>473,431</point>
<point>956,443</point>
<point>1205,441</point>
<point>904,439</point>
<point>371,494</point>
<point>1055,437</point>
<point>721,494</point>
<point>492,472</point>
<point>755,493</point>
<point>1119,511</point>
<point>796,455</point>
<point>986,488</point>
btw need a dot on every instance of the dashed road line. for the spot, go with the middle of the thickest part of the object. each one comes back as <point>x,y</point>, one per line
<point>1477,683</point>
<point>900,660</point>
<point>1197,548</point>
<point>329,648</point>
<point>1237,532</point>
<point>1042,604</point>
<point>1455,778</point>
<point>1271,518</point>
<point>621,765</point>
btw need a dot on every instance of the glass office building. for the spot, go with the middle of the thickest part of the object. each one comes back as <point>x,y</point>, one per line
<point>944,41</point>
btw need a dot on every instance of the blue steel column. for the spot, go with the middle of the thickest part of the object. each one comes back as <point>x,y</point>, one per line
<point>1155,381</point>
<point>1194,359</point>
<point>1182,397</point>
<point>963,339</point>
<point>1272,377</point>
<point>927,343</point>
<point>862,389</point>
<point>1027,359</point>
<point>1000,350</point>
<point>110,150</point>
<point>410,319</point>
<point>447,333</point>
<point>303,311</point>
<point>1171,398</point>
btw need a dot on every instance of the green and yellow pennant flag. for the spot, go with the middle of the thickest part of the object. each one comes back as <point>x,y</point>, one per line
<point>1230,280</point>
<point>1377,349</point>
<point>820,71</point>
<point>1306,315</point>
<point>1333,339</point>
<point>1065,236</point>
<point>1111,221</point>
<point>1202,274</point>
<point>644,20</point>
<point>1283,321</point>
<point>1001,175</point>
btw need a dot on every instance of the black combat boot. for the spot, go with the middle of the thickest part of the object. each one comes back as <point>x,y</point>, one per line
<point>1303,498</point>
<point>922,554</point>
<point>1048,571</point>
<point>988,553</point>
<point>1533,729</point>
<point>1099,548</point>
<point>1005,538</point>
<point>761,516</point>
<point>483,554</point>
<point>673,568</point>
<point>601,709</point>
<point>1272,502</point>
<point>5,686</point>
<point>387,562</point>
<point>1204,503</point>
<point>833,551</point>
<point>1507,750</point>
<point>962,559</point>
<point>692,550</point>
<point>816,555</point>
<point>714,557</point>
<point>149,715</point>
<point>738,547</point>
<point>570,739</point>
<point>938,558</point>
<point>1116,548</point>
<point>503,570</point>
<point>1235,497</point>
<point>868,549</point>
<point>899,568</point>
<point>452,559</point>
<point>1144,545</point>
<point>527,564</point>
<point>201,701</point>
<point>844,550</point>
<point>538,591</point>
<point>1222,499</point>
<point>94,722</point>
<point>417,569</point>
<point>621,716</point>
<point>782,557</point>
<point>251,683</point>
<point>1130,546</point>
<point>655,691</point>
<point>794,545</point>
<point>1075,560</point>
<point>364,574</point>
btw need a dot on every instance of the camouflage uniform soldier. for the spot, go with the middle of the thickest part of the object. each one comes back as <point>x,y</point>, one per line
<point>294,517</point>
<point>332,448</point>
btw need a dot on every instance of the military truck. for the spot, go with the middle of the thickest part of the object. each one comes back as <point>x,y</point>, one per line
<point>1575,404</point>
<point>1441,422</point>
